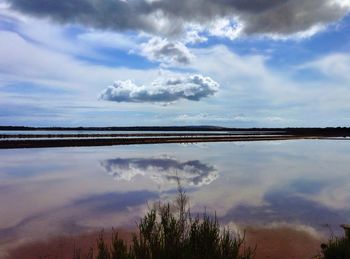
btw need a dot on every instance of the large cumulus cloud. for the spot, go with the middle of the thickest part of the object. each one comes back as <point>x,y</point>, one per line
<point>164,90</point>
<point>168,17</point>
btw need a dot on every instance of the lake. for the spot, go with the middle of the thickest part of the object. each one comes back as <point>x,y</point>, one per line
<point>57,191</point>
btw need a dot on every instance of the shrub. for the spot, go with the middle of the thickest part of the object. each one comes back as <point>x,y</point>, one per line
<point>163,233</point>
<point>337,248</point>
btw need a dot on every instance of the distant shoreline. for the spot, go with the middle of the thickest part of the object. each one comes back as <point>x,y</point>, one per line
<point>344,131</point>
<point>153,135</point>
<point>114,128</point>
<point>50,143</point>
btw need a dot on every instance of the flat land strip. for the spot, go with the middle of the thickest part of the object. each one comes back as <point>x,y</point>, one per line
<point>76,142</point>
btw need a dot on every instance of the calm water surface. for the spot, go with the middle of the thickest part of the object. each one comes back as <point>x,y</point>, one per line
<point>49,192</point>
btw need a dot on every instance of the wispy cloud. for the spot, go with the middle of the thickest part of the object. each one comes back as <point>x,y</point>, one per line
<point>205,118</point>
<point>335,66</point>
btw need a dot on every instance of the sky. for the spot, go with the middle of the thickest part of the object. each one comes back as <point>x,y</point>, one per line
<point>237,63</point>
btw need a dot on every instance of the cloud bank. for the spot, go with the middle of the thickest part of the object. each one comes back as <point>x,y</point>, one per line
<point>164,90</point>
<point>168,17</point>
<point>161,170</point>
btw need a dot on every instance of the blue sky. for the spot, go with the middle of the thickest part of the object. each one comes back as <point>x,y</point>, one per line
<point>273,63</point>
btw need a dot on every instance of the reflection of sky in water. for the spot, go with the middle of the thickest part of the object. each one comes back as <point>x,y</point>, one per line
<point>54,191</point>
<point>161,170</point>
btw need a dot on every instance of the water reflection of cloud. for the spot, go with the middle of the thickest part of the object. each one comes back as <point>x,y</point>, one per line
<point>286,206</point>
<point>95,211</point>
<point>114,202</point>
<point>52,190</point>
<point>161,170</point>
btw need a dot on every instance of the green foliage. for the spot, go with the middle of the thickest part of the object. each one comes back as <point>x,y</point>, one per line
<point>119,249</point>
<point>337,248</point>
<point>165,234</point>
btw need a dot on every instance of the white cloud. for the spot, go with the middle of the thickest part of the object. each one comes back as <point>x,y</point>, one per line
<point>166,52</point>
<point>227,28</point>
<point>164,90</point>
<point>193,36</point>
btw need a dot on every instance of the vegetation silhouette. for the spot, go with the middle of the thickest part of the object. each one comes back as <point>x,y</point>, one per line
<point>337,247</point>
<point>170,231</point>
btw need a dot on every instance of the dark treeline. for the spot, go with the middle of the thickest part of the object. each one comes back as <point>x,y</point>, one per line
<point>131,128</point>
<point>324,132</point>
<point>314,131</point>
